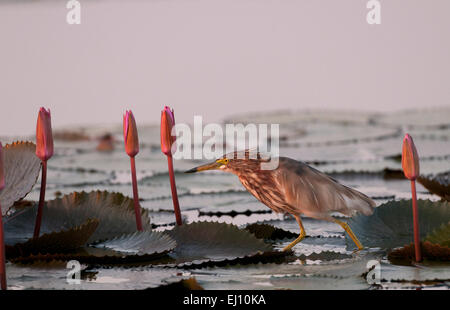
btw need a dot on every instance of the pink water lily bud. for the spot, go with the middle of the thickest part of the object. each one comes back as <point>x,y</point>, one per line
<point>410,158</point>
<point>2,172</point>
<point>167,123</point>
<point>44,136</point>
<point>130,134</point>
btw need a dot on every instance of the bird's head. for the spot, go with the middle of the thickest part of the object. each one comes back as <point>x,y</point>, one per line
<point>235,162</point>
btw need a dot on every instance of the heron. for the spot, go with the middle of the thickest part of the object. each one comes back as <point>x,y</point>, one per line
<point>294,187</point>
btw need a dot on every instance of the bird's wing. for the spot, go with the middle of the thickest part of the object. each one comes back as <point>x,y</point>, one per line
<point>314,193</point>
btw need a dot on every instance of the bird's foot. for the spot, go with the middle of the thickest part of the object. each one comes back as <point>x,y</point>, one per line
<point>293,243</point>
<point>357,250</point>
<point>351,235</point>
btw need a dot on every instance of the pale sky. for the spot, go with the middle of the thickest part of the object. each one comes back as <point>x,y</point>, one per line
<point>215,58</point>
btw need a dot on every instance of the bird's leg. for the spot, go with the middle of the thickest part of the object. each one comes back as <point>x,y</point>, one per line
<point>300,237</point>
<point>350,233</point>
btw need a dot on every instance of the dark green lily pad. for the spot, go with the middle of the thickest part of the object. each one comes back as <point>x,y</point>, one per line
<point>56,242</point>
<point>21,168</point>
<point>440,236</point>
<point>275,257</point>
<point>114,211</point>
<point>391,224</point>
<point>94,257</point>
<point>190,284</point>
<point>429,251</point>
<point>438,185</point>
<point>140,243</point>
<point>266,231</point>
<point>209,241</point>
<point>325,256</point>
<point>139,248</point>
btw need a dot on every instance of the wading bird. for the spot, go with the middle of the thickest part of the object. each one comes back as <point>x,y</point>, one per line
<point>295,188</point>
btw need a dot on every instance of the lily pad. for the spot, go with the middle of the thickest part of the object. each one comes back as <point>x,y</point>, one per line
<point>391,224</point>
<point>430,252</point>
<point>266,231</point>
<point>114,211</point>
<point>190,284</point>
<point>419,118</point>
<point>96,257</point>
<point>438,185</point>
<point>140,243</point>
<point>411,276</point>
<point>325,256</point>
<point>210,241</point>
<point>21,168</point>
<point>41,277</point>
<point>56,242</point>
<point>346,274</point>
<point>440,236</point>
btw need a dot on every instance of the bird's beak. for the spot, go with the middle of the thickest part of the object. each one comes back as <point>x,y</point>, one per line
<point>211,166</point>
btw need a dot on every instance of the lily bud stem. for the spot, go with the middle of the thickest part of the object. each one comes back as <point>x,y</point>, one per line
<point>37,226</point>
<point>137,207</point>
<point>416,222</point>
<point>176,205</point>
<point>2,256</point>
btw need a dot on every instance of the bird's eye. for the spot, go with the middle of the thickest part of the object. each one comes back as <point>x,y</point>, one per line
<point>223,161</point>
